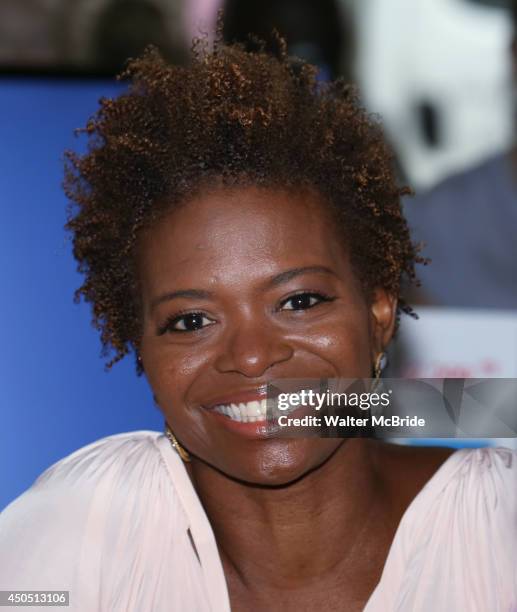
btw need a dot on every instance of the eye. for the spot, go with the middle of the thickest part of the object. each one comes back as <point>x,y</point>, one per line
<point>305,300</point>
<point>188,322</point>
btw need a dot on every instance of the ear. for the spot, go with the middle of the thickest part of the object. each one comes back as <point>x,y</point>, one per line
<point>383,312</point>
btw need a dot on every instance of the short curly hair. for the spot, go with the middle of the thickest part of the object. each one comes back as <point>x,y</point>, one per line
<point>241,118</point>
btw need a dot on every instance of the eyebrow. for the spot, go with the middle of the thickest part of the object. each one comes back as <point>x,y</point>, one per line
<point>286,276</point>
<point>275,281</point>
<point>199,294</point>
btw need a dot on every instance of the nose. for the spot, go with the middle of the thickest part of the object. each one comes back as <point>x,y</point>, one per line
<point>251,349</point>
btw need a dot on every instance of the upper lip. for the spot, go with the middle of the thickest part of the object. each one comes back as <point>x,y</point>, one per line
<point>240,397</point>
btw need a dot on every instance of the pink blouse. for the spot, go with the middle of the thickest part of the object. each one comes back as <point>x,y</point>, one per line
<point>119,525</point>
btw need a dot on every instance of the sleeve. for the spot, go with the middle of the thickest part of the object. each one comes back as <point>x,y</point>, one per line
<point>40,536</point>
<point>471,538</point>
<point>494,521</point>
<point>88,525</point>
<point>41,532</point>
<point>457,546</point>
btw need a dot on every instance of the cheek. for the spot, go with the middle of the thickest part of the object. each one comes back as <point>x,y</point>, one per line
<point>171,371</point>
<point>342,343</point>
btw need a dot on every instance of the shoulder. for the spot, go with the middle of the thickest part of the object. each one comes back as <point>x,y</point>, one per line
<point>468,499</point>
<point>94,498</point>
<point>488,464</point>
<point>455,547</point>
<point>125,461</point>
<point>466,516</point>
<point>485,488</point>
<point>108,523</point>
<point>489,472</point>
<point>97,460</point>
<point>118,459</point>
<point>88,466</point>
<point>478,486</point>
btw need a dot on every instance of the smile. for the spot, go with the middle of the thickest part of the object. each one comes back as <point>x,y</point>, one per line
<point>248,412</point>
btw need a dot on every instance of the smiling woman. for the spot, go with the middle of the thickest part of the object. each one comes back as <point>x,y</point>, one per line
<point>238,222</point>
<point>266,290</point>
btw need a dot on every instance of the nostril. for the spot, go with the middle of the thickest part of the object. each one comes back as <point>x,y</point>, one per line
<point>253,359</point>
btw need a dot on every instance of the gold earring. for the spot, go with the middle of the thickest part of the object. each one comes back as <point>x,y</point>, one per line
<point>183,453</point>
<point>380,364</point>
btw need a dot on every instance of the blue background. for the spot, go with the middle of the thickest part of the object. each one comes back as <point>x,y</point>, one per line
<point>54,393</point>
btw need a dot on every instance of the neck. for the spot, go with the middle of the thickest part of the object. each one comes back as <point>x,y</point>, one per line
<point>301,531</point>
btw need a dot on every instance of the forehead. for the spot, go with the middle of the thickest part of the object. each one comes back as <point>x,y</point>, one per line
<point>249,227</point>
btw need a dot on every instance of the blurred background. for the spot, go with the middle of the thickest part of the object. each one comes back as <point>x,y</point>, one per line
<point>440,73</point>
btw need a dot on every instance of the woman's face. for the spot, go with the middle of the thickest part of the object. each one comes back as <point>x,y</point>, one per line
<point>242,287</point>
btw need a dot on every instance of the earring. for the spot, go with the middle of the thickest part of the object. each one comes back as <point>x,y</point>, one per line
<point>183,453</point>
<point>380,364</point>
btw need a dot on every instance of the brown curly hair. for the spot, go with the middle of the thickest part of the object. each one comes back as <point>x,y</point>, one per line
<point>236,117</point>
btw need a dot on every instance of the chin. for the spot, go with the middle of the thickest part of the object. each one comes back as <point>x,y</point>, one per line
<point>283,462</point>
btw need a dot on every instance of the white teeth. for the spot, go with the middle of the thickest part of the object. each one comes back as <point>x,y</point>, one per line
<point>255,408</point>
<point>250,412</point>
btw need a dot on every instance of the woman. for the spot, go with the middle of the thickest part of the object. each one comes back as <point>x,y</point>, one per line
<point>238,222</point>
